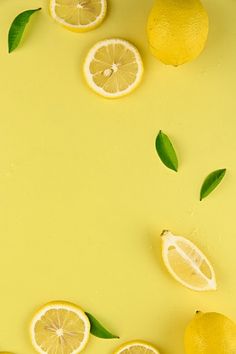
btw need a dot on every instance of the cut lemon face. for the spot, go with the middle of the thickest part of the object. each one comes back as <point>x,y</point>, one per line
<point>186,263</point>
<point>137,347</point>
<point>79,15</point>
<point>59,328</point>
<point>113,68</point>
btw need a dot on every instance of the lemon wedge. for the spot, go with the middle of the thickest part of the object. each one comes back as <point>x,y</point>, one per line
<point>79,15</point>
<point>137,347</point>
<point>113,68</point>
<point>59,327</point>
<point>186,263</point>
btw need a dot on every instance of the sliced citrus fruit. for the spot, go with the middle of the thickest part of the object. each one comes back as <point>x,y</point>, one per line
<point>186,263</point>
<point>79,15</point>
<point>113,68</point>
<point>59,328</point>
<point>137,347</point>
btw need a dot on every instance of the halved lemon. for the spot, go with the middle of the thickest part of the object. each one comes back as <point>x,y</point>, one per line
<point>186,263</point>
<point>137,347</point>
<point>60,328</point>
<point>79,15</point>
<point>113,68</point>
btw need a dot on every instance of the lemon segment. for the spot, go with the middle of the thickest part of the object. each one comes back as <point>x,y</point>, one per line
<point>137,347</point>
<point>113,68</point>
<point>59,328</point>
<point>186,263</point>
<point>78,15</point>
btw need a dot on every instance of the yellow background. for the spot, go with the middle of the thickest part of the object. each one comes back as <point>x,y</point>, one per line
<point>83,194</point>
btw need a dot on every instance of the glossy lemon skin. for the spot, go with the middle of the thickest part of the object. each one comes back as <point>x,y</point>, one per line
<point>177,30</point>
<point>210,333</point>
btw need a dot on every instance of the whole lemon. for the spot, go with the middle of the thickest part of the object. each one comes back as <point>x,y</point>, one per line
<point>210,333</point>
<point>177,30</point>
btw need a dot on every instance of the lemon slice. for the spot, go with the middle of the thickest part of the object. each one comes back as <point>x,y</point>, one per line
<point>79,15</point>
<point>186,263</point>
<point>59,328</point>
<point>113,68</point>
<point>137,347</point>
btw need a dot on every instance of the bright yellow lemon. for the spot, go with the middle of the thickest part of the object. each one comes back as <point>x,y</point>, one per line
<point>177,30</point>
<point>210,333</point>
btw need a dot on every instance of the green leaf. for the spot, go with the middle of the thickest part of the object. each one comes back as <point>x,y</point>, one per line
<point>98,330</point>
<point>211,182</point>
<point>166,151</point>
<point>17,28</point>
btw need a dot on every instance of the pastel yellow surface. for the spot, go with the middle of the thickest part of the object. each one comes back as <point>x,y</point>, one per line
<point>83,195</point>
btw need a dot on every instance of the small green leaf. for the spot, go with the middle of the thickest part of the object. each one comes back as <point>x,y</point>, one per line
<point>17,28</point>
<point>166,151</point>
<point>211,182</point>
<point>98,330</point>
